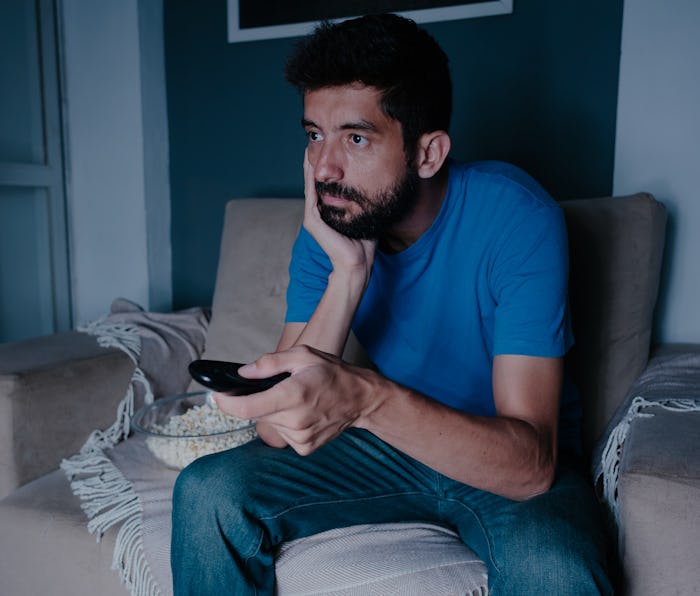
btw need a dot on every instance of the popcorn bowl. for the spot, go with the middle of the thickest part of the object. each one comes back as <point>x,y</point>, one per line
<point>181,428</point>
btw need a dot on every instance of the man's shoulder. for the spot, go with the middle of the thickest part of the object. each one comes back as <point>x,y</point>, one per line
<point>492,178</point>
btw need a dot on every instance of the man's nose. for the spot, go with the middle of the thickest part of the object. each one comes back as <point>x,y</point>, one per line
<point>329,164</point>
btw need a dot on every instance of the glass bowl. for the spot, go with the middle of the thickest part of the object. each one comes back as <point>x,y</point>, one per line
<point>181,428</point>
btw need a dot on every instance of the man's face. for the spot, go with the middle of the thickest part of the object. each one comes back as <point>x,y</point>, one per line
<point>362,178</point>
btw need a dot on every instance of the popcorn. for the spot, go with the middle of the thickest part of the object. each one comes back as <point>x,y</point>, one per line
<point>197,427</point>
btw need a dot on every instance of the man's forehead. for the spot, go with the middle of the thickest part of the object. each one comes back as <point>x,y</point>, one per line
<point>340,105</point>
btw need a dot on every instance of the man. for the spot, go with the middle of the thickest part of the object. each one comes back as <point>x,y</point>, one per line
<point>453,277</point>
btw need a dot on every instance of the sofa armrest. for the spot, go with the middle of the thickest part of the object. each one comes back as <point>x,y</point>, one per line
<point>659,478</point>
<point>54,391</point>
<point>659,497</point>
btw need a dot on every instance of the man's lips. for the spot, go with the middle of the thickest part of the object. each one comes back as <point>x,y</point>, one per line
<point>334,201</point>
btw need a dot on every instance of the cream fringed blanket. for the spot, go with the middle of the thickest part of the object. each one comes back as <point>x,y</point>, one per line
<point>671,382</point>
<point>120,482</point>
<point>133,490</point>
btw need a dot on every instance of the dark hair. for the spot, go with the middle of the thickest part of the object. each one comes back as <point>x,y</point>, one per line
<point>385,51</point>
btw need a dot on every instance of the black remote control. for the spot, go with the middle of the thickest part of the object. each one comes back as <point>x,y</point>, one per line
<point>224,378</point>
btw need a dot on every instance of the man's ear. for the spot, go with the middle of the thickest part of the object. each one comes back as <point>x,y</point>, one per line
<point>433,148</point>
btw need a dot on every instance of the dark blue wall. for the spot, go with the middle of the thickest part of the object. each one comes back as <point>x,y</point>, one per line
<point>537,88</point>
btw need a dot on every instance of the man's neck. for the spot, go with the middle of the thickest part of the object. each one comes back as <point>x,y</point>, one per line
<point>431,194</point>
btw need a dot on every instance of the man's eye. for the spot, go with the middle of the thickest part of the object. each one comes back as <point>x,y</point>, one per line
<point>314,135</point>
<point>356,139</point>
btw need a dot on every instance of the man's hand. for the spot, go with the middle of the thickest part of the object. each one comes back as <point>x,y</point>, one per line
<point>346,254</point>
<point>352,260</point>
<point>512,454</point>
<point>322,398</point>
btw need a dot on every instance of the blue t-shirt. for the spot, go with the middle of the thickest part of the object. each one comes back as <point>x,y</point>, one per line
<point>488,277</point>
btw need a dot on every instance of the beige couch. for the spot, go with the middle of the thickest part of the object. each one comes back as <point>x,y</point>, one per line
<point>55,390</point>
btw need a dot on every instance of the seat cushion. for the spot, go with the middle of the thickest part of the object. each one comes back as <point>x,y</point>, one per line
<point>407,558</point>
<point>45,547</point>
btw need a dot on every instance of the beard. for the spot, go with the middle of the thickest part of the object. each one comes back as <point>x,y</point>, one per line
<point>386,208</point>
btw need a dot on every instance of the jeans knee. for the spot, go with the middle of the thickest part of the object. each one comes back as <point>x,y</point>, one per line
<point>190,486</point>
<point>211,481</point>
<point>214,525</point>
<point>215,495</point>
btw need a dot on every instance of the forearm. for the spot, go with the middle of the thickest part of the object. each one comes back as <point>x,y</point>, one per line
<point>503,455</point>
<point>329,326</point>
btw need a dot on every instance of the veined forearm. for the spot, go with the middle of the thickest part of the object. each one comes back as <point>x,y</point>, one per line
<point>506,456</point>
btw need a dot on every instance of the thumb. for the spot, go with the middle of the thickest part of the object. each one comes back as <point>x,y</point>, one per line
<point>267,365</point>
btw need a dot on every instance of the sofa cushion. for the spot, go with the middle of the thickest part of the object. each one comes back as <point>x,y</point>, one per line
<point>405,558</point>
<point>45,547</point>
<point>616,248</point>
<point>251,282</point>
<point>37,430</point>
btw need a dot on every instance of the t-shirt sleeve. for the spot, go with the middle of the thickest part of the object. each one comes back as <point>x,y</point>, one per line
<point>309,269</point>
<point>529,281</point>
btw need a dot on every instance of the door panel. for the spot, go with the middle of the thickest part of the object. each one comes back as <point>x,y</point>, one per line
<point>34,276</point>
<point>21,117</point>
<point>26,305</point>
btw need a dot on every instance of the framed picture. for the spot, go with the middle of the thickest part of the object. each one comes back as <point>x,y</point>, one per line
<point>250,20</point>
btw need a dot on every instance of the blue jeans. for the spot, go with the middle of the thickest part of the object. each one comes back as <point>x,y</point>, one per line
<point>232,509</point>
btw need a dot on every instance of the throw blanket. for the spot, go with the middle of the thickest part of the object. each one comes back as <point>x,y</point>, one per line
<point>119,482</point>
<point>671,381</point>
<point>151,483</point>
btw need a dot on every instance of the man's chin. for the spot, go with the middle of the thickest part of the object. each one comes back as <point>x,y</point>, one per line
<point>357,228</point>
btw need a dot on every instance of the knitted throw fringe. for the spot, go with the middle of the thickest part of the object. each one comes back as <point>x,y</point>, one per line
<point>612,453</point>
<point>107,497</point>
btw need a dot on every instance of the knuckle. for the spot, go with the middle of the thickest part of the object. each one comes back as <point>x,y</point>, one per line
<point>305,448</point>
<point>266,359</point>
<point>243,411</point>
<point>302,349</point>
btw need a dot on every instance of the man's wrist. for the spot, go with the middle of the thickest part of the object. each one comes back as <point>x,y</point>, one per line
<point>352,278</point>
<point>379,393</point>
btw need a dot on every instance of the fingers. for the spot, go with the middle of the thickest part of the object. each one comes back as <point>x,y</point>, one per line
<point>278,398</point>
<point>248,407</point>
<point>292,407</point>
<point>263,367</point>
<point>310,196</point>
<point>267,365</point>
<point>275,363</point>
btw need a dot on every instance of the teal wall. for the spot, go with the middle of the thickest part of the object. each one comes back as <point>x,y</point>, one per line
<point>537,88</point>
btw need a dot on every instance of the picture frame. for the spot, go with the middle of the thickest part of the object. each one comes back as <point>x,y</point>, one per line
<point>252,20</point>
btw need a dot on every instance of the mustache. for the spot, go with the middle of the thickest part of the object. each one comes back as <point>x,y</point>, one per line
<point>339,190</point>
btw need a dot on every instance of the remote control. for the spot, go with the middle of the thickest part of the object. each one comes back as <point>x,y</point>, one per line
<point>224,378</point>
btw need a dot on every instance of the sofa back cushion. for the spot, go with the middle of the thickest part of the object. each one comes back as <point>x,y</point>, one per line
<point>250,293</point>
<point>615,247</point>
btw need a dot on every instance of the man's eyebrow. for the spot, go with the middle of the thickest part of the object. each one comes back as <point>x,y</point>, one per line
<point>359,125</point>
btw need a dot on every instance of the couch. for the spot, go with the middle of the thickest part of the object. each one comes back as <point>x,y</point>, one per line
<point>55,390</point>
